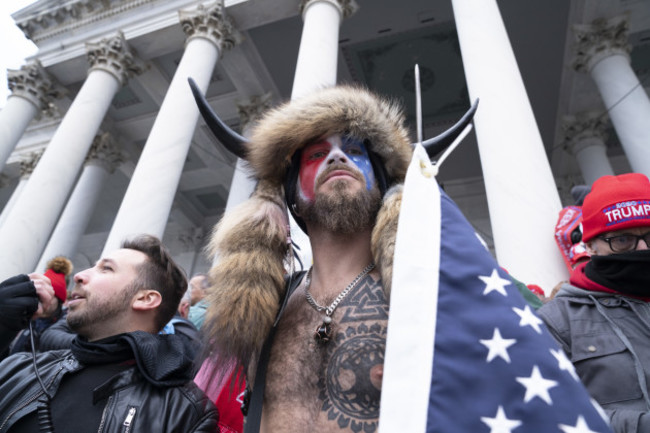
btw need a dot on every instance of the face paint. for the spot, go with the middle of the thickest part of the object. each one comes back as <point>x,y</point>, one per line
<point>316,158</point>
<point>356,150</point>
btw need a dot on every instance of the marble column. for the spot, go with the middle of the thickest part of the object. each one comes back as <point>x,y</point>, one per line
<point>27,166</point>
<point>584,137</point>
<point>32,92</point>
<point>102,160</point>
<point>242,185</point>
<point>602,51</point>
<point>149,197</point>
<point>316,67</point>
<point>35,213</point>
<point>522,197</point>
<point>319,44</point>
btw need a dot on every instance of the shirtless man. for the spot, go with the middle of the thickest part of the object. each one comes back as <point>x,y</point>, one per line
<point>330,158</point>
<point>332,386</point>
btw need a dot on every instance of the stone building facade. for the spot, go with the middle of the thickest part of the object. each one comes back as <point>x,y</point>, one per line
<point>105,105</point>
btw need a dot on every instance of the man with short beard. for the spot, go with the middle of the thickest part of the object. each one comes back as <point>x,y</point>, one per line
<point>120,373</point>
<point>602,317</point>
<point>330,158</point>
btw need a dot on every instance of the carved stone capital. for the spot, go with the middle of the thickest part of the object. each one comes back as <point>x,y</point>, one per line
<point>598,40</point>
<point>251,110</point>
<point>210,23</point>
<point>192,238</point>
<point>578,129</point>
<point>113,56</point>
<point>105,152</point>
<point>33,83</point>
<point>346,7</point>
<point>28,164</point>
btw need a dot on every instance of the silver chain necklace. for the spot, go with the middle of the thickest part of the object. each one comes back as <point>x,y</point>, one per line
<point>324,332</point>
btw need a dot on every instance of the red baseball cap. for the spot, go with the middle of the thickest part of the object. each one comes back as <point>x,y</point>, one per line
<point>616,203</point>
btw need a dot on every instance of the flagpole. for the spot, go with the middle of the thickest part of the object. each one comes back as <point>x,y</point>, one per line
<point>413,304</point>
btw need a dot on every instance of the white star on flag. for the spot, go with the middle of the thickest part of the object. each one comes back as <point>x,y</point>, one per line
<point>498,346</point>
<point>580,427</point>
<point>528,318</point>
<point>500,423</point>
<point>564,363</point>
<point>537,386</point>
<point>494,282</point>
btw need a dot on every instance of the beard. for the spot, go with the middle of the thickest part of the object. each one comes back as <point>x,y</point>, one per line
<point>95,313</point>
<point>342,211</point>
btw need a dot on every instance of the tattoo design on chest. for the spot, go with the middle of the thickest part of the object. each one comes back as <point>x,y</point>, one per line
<point>350,387</point>
<point>367,303</point>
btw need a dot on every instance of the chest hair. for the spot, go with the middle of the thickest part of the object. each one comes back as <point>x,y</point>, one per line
<point>338,382</point>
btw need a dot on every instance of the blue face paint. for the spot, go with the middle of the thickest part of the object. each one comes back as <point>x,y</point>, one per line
<point>356,150</point>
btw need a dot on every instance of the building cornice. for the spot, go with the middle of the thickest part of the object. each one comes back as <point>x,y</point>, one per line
<point>40,24</point>
<point>61,18</point>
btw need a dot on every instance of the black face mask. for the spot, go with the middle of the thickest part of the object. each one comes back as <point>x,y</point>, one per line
<point>627,273</point>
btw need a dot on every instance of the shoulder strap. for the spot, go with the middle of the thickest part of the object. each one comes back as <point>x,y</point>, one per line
<point>254,416</point>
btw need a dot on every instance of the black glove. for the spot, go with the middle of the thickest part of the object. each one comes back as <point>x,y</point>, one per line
<point>18,302</point>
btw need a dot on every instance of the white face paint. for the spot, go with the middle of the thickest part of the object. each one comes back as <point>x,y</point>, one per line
<point>345,152</point>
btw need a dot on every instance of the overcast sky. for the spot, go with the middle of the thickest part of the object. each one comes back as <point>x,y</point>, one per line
<point>15,47</point>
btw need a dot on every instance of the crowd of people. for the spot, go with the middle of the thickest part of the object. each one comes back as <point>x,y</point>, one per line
<point>132,346</point>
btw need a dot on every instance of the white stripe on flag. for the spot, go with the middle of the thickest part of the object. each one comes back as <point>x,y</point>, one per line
<point>413,303</point>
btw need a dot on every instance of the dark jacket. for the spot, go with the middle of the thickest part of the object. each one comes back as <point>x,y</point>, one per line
<point>607,337</point>
<point>22,343</point>
<point>57,336</point>
<point>60,336</point>
<point>156,402</point>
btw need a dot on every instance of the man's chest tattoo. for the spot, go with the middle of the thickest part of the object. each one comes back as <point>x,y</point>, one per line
<point>350,382</point>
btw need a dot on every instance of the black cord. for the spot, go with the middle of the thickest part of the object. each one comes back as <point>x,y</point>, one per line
<point>45,424</point>
<point>296,248</point>
<point>38,376</point>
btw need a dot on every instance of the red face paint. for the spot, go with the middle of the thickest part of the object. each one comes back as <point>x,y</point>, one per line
<point>310,162</point>
<point>316,157</point>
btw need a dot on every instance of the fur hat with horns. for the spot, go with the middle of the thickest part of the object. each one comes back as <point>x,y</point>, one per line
<point>252,241</point>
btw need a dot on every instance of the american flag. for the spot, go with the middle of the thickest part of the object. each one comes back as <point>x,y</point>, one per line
<point>489,365</point>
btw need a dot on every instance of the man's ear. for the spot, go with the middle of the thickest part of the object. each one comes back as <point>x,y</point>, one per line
<point>146,300</point>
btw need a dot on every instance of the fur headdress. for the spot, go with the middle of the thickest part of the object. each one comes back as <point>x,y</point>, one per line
<point>252,240</point>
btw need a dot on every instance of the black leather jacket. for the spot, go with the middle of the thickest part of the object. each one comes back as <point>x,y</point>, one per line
<point>133,404</point>
<point>60,336</point>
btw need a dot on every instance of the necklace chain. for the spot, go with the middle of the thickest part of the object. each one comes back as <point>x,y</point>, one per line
<point>329,310</point>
